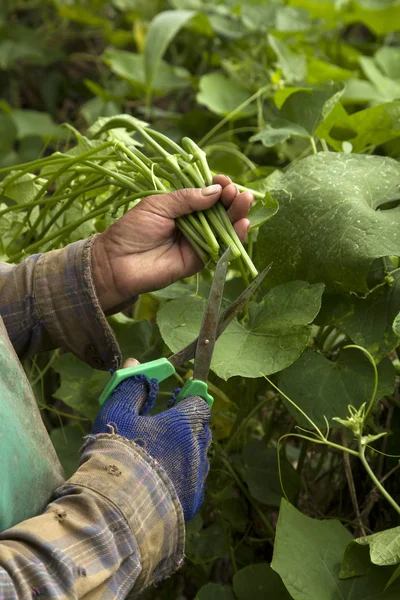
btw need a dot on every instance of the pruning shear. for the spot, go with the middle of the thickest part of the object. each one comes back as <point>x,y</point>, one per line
<point>201,349</point>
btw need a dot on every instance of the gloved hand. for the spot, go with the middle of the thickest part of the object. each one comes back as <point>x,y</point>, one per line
<point>178,439</point>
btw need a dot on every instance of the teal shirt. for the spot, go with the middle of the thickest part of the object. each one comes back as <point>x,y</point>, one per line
<point>29,468</point>
<point>47,301</point>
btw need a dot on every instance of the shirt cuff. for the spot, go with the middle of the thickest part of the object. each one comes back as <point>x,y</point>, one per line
<point>68,306</point>
<point>138,486</point>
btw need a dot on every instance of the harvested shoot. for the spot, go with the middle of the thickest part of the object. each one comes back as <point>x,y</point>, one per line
<point>123,169</point>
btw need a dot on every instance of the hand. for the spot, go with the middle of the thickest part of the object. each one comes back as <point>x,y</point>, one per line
<point>178,439</point>
<point>143,250</point>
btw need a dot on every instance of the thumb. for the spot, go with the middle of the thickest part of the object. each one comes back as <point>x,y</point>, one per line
<point>182,202</point>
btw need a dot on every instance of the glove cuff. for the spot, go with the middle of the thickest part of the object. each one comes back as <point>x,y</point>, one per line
<point>138,486</point>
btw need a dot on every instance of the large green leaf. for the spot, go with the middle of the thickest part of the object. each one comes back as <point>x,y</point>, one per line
<point>328,227</point>
<point>367,321</point>
<point>382,548</point>
<point>258,582</point>
<point>364,129</point>
<point>323,387</point>
<point>300,114</point>
<point>276,334</point>
<point>222,95</point>
<point>213,591</point>
<point>162,30</point>
<point>258,466</point>
<point>307,556</point>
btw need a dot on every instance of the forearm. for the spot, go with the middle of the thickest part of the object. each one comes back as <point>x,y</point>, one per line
<point>115,526</point>
<point>49,301</point>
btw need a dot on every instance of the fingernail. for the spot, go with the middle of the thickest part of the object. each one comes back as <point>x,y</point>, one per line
<point>211,189</point>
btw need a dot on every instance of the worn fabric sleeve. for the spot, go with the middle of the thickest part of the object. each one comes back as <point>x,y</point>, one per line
<point>113,529</point>
<point>49,301</point>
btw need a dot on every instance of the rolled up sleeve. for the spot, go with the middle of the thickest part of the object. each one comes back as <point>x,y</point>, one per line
<point>115,527</point>
<point>49,301</point>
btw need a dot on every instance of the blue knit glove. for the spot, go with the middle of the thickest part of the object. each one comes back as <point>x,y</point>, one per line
<point>178,439</point>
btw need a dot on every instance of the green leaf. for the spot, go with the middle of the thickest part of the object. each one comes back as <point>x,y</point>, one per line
<point>34,123</point>
<point>319,71</point>
<point>365,129</point>
<point>352,315</point>
<point>134,337</point>
<point>308,108</point>
<point>300,114</point>
<point>258,582</point>
<point>384,550</point>
<point>213,591</point>
<point>162,30</point>
<point>387,88</point>
<point>23,189</point>
<point>388,59</point>
<point>222,95</point>
<point>279,131</point>
<point>294,66</point>
<point>324,387</point>
<point>258,466</point>
<point>68,440</point>
<point>262,211</point>
<point>130,66</point>
<point>80,386</point>
<point>307,556</point>
<point>277,332</point>
<point>328,227</point>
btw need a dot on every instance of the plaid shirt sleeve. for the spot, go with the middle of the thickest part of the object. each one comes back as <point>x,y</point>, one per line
<point>114,528</point>
<point>49,301</point>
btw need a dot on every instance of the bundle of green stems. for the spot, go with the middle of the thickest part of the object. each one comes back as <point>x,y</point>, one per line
<point>124,174</point>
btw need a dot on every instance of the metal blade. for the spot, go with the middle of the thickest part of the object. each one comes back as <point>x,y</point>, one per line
<point>227,316</point>
<point>209,326</point>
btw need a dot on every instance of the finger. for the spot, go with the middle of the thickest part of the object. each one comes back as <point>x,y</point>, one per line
<point>229,194</point>
<point>181,202</point>
<point>239,209</point>
<point>130,362</point>
<point>242,227</point>
<point>223,180</point>
<point>196,411</point>
<point>136,394</point>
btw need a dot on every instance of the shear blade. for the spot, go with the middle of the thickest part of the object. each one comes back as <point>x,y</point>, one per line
<point>209,327</point>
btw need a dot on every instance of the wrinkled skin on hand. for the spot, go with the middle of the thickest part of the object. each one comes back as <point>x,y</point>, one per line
<point>144,251</point>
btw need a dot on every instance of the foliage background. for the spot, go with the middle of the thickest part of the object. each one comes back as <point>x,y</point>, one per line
<point>297,97</point>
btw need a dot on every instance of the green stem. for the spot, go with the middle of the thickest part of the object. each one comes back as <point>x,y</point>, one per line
<point>192,234</point>
<point>375,480</point>
<point>212,216</point>
<point>147,171</point>
<point>233,113</point>
<point>208,232</point>
<point>242,250</point>
<point>204,257</point>
<point>64,231</point>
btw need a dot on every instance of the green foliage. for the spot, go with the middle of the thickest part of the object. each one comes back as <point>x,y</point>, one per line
<point>274,335</point>
<point>307,556</point>
<point>299,101</point>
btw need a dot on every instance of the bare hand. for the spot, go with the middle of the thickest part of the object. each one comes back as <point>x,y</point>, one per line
<point>143,251</point>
